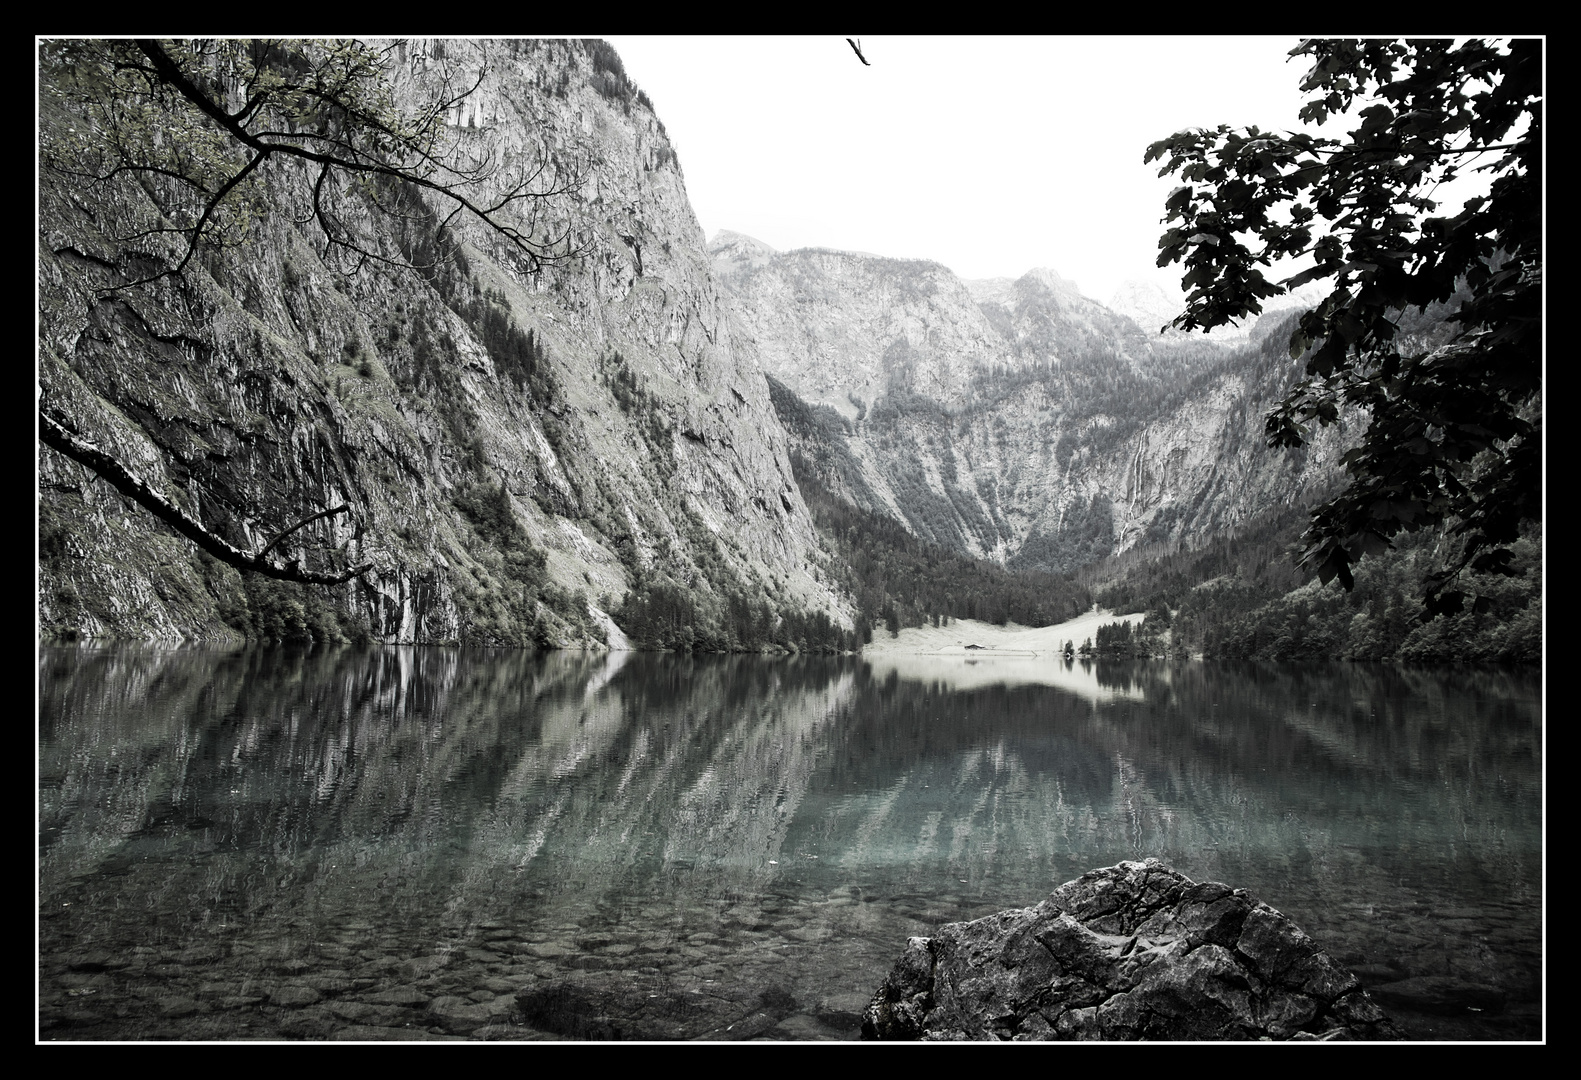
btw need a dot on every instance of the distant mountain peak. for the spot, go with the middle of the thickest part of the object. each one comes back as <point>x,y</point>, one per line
<point>732,252</point>
<point>1050,279</point>
<point>725,240</point>
<point>1003,290</point>
<point>1148,303</point>
<point>1153,305</point>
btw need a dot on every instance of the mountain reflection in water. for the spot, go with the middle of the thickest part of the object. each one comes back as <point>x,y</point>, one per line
<point>400,842</point>
<point>952,671</point>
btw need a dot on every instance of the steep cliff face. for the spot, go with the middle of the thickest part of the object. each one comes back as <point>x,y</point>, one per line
<point>1033,426</point>
<point>843,329</point>
<point>517,447</point>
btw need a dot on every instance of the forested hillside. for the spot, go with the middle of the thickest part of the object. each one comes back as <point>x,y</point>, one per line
<point>899,580</point>
<point>1241,597</point>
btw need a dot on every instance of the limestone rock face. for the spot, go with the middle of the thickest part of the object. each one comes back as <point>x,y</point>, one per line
<point>634,436</point>
<point>1149,305</point>
<point>841,327</point>
<point>1044,319</point>
<point>1016,419</point>
<point>1129,952</point>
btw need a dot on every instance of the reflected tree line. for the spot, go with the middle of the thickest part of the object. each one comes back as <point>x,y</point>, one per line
<point>286,749</point>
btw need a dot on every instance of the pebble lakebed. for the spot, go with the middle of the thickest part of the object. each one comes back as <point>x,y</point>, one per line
<point>739,968</point>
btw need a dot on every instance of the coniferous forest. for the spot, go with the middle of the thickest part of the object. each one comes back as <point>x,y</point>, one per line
<point>1241,597</point>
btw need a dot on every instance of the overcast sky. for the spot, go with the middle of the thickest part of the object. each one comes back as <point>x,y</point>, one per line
<point>989,155</point>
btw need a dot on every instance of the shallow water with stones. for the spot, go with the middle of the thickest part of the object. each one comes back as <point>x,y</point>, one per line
<point>428,843</point>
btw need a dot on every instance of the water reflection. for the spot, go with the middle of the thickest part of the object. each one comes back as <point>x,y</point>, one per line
<point>337,843</point>
<point>1006,668</point>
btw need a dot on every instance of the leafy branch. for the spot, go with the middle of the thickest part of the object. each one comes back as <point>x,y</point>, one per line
<point>1454,435</point>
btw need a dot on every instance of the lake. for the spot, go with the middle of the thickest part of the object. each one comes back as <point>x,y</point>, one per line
<point>430,843</point>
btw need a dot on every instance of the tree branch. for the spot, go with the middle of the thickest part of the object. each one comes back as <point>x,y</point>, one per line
<point>353,159</point>
<point>128,483</point>
<point>270,546</point>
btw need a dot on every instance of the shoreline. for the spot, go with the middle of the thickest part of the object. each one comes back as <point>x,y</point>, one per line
<point>975,639</point>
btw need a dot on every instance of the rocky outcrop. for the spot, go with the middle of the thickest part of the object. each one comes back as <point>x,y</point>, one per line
<point>1129,952</point>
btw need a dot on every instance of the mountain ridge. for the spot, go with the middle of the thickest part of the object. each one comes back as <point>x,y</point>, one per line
<point>1033,426</point>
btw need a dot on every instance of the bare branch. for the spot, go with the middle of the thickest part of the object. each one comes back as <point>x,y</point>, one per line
<point>270,546</point>
<point>344,155</point>
<point>128,483</point>
<point>203,219</point>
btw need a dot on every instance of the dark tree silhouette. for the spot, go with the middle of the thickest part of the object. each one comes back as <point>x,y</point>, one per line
<point>128,483</point>
<point>1454,435</point>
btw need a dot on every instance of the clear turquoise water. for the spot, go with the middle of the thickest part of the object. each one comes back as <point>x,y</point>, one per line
<point>402,842</point>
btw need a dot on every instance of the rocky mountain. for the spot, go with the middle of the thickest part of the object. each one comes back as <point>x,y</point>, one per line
<point>553,452</point>
<point>1146,303</point>
<point>1016,420</point>
<point>518,446</point>
<point>1045,319</point>
<point>842,328</point>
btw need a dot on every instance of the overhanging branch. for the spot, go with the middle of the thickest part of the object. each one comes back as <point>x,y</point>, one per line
<point>353,159</point>
<point>134,487</point>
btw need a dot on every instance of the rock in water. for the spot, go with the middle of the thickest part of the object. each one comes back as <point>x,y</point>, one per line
<point>1134,951</point>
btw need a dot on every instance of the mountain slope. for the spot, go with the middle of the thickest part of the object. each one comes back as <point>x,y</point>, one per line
<point>516,448</point>
<point>1031,425</point>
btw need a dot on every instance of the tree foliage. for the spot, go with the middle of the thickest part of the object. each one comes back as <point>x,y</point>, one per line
<point>1454,437</point>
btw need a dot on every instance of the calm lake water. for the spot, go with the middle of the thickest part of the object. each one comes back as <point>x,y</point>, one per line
<point>431,843</point>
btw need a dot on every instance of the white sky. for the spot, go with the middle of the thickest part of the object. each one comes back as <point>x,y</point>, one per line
<point>989,155</point>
